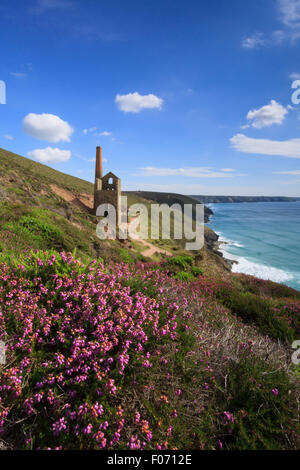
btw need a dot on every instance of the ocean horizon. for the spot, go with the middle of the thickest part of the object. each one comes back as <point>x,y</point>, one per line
<point>262,237</point>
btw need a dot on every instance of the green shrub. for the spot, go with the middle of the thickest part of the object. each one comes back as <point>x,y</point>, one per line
<point>126,256</point>
<point>184,276</point>
<point>196,271</point>
<point>258,310</point>
<point>182,261</point>
<point>40,227</point>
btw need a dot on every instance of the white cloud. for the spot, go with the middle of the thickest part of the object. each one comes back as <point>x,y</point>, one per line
<point>91,129</point>
<point>50,155</point>
<point>289,17</point>
<point>198,172</point>
<point>273,113</point>
<point>18,74</point>
<point>47,127</point>
<point>254,41</point>
<point>105,133</point>
<point>288,148</point>
<point>94,129</point>
<point>292,172</point>
<point>290,12</point>
<point>8,137</point>
<point>295,76</point>
<point>135,103</point>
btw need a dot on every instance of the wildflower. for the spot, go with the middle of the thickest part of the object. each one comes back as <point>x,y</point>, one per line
<point>59,426</point>
<point>164,398</point>
<point>229,416</point>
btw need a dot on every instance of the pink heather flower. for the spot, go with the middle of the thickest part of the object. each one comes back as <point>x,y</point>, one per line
<point>275,392</point>
<point>88,429</point>
<point>59,426</point>
<point>178,392</point>
<point>229,416</point>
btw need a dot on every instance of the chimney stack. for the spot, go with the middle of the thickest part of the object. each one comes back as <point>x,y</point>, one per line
<point>99,166</point>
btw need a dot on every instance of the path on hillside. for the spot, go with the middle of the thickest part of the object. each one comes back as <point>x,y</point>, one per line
<point>152,249</point>
<point>87,200</point>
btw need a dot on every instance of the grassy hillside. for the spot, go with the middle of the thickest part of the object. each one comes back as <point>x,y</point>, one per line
<point>43,208</point>
<point>108,349</point>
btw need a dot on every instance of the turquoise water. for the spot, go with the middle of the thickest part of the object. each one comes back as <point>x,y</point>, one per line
<point>263,237</point>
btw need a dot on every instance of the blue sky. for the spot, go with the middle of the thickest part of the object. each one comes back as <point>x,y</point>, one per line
<point>183,96</point>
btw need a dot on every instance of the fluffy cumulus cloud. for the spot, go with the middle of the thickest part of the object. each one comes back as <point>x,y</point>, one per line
<point>135,103</point>
<point>50,155</point>
<point>47,127</point>
<point>288,148</point>
<point>273,113</point>
<point>198,172</point>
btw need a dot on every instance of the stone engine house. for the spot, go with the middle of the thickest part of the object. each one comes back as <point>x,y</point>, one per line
<point>107,189</point>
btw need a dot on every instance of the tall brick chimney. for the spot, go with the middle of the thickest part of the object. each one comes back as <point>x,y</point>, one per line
<point>99,166</point>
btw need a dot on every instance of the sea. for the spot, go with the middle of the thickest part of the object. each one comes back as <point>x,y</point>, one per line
<point>263,237</point>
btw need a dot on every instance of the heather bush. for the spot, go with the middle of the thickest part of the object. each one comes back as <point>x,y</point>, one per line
<point>126,357</point>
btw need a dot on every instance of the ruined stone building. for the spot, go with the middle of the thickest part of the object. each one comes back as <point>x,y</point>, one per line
<point>107,188</point>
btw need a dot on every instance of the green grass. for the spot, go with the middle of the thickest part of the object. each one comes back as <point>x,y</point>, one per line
<point>271,315</point>
<point>24,170</point>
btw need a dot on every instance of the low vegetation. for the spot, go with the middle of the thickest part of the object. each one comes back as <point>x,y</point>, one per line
<point>108,350</point>
<point>122,356</point>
